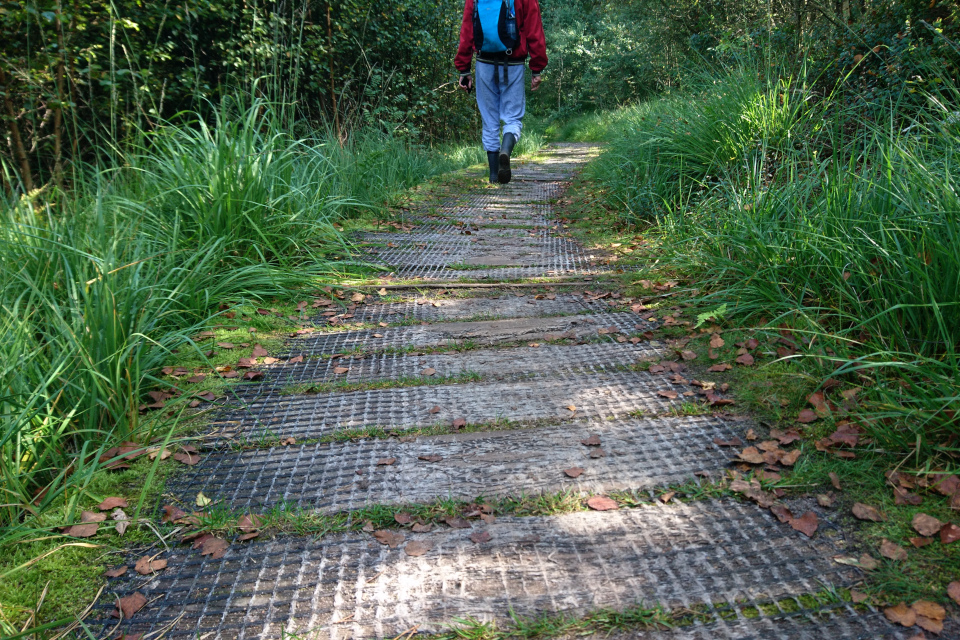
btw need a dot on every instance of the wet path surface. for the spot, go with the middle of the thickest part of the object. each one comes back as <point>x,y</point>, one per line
<point>488,394</point>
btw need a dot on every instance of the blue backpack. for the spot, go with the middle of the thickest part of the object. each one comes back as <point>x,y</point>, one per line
<point>495,26</point>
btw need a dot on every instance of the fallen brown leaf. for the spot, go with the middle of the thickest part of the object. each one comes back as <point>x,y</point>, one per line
<point>431,458</point>
<point>116,572</point>
<point>602,503</point>
<point>949,533</point>
<point>865,512</point>
<point>188,459</point>
<point>389,538</point>
<point>573,472</point>
<point>667,393</point>
<point>112,503</point>
<point>340,370</point>
<point>892,550</point>
<point>921,542</point>
<point>385,462</point>
<point>926,525</point>
<point>751,455</point>
<point>479,537</point>
<point>745,359</point>
<point>457,523</point>
<point>82,530</point>
<point>953,590</point>
<point>719,368</point>
<point>733,442</point>
<point>835,480</point>
<point>592,441</point>
<point>214,547</point>
<point>145,566</point>
<point>429,371</point>
<point>131,604</point>
<point>806,524</point>
<point>807,416</point>
<point>403,517</point>
<point>901,614</point>
<point>459,423</point>
<point>417,548</point>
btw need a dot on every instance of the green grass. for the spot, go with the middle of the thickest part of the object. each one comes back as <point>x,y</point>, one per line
<point>797,214</point>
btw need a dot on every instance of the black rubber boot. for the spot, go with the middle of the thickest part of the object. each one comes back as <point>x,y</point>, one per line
<point>493,159</point>
<point>506,148</point>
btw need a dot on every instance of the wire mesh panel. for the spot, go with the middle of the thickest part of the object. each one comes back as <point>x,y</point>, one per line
<point>701,555</point>
<point>480,332</point>
<point>632,454</point>
<point>603,396</point>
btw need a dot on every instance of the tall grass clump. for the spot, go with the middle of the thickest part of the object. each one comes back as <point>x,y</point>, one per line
<point>101,283</point>
<point>794,209</point>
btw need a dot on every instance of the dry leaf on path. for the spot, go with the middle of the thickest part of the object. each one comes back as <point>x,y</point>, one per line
<point>417,548</point>
<point>573,472</point>
<point>389,538</point>
<point>719,368</point>
<point>340,370</point>
<point>734,442</point>
<point>403,517</point>
<point>751,455</point>
<point>188,459</point>
<point>865,512</point>
<point>421,528</point>
<point>435,410</point>
<point>667,393</point>
<point>430,458</point>
<point>592,441</point>
<point>602,503</point>
<point>459,423</point>
<point>806,524</point>
<point>203,501</point>
<point>116,572</point>
<point>259,351</point>
<point>214,547</point>
<point>807,416</point>
<point>479,537</point>
<point>145,566</point>
<point>129,605</point>
<point>429,371</point>
<point>901,614</point>
<point>458,523</point>
<point>385,462</point>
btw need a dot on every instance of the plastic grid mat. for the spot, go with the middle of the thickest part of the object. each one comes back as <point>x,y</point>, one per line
<point>514,363</point>
<point>636,454</point>
<point>450,334</point>
<point>602,396</point>
<point>702,554</point>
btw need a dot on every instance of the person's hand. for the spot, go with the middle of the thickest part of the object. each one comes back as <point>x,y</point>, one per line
<point>466,83</point>
<point>535,82</point>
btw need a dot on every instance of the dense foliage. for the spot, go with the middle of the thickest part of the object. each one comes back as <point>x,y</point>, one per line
<point>77,74</point>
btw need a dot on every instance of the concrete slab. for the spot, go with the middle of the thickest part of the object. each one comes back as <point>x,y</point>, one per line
<point>633,454</point>
<point>350,586</point>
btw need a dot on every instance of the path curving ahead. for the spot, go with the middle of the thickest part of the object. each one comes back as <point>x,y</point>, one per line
<point>535,375</point>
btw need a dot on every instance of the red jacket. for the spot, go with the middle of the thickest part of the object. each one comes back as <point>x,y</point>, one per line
<point>532,40</point>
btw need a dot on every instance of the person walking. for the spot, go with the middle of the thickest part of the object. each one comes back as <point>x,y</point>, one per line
<point>502,33</point>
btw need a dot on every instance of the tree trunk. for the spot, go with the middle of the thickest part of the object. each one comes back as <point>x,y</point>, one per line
<point>19,152</point>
